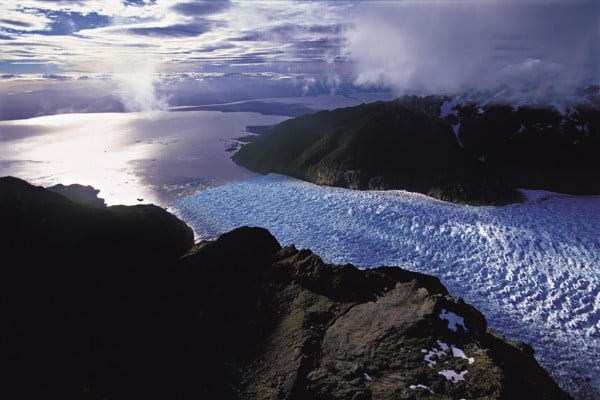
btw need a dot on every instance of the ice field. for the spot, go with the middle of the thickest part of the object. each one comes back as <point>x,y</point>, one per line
<point>533,269</point>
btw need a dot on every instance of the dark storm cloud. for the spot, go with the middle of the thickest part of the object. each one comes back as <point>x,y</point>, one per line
<point>197,8</point>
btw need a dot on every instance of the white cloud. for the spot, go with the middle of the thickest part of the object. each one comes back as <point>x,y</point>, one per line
<point>531,48</point>
<point>134,43</point>
<point>508,48</point>
<point>163,33</point>
<point>27,20</point>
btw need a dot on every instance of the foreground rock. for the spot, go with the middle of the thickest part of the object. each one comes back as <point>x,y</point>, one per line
<point>237,318</point>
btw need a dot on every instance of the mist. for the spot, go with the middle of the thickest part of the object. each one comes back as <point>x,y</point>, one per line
<point>137,81</point>
<point>509,51</point>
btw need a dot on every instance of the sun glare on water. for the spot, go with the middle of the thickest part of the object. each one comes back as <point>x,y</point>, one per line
<point>90,149</point>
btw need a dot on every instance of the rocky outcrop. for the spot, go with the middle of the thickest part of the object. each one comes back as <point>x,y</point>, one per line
<point>67,219</point>
<point>336,332</point>
<point>79,194</point>
<point>236,318</point>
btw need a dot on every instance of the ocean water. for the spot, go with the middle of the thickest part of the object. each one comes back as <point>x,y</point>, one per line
<point>533,269</point>
<point>139,157</point>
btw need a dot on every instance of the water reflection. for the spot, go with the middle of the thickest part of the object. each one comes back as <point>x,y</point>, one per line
<point>135,157</point>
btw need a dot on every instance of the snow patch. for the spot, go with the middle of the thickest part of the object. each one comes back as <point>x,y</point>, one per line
<point>442,345</point>
<point>448,108</point>
<point>431,354</point>
<point>456,128</point>
<point>454,320</point>
<point>419,386</point>
<point>458,353</point>
<point>452,376</point>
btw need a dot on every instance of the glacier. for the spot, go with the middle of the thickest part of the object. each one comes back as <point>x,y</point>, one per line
<point>532,268</point>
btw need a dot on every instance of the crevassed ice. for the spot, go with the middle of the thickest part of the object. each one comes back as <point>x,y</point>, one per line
<point>531,268</point>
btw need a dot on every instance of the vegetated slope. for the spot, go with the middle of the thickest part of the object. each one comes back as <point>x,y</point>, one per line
<point>408,144</point>
<point>88,317</point>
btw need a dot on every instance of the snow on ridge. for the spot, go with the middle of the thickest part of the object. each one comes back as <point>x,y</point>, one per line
<point>431,354</point>
<point>531,268</point>
<point>421,386</point>
<point>458,353</point>
<point>442,352</point>
<point>448,108</point>
<point>456,129</point>
<point>454,320</point>
<point>443,346</point>
<point>452,376</point>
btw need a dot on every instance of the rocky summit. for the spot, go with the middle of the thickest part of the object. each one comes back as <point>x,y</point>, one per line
<point>116,303</point>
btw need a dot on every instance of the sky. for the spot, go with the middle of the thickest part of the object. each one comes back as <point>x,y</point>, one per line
<point>155,53</point>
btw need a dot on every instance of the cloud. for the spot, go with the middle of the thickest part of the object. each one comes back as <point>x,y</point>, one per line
<point>511,49</point>
<point>201,7</point>
<point>139,43</point>
<point>25,21</point>
<point>15,23</point>
<point>57,77</point>
<point>68,23</point>
<point>195,28</point>
<point>138,92</point>
<point>86,31</point>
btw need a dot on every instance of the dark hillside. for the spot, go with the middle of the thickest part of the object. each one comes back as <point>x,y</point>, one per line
<point>405,144</point>
<point>537,147</point>
<point>383,145</point>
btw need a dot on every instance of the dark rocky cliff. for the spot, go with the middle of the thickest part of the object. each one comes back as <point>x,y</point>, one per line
<point>103,303</point>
